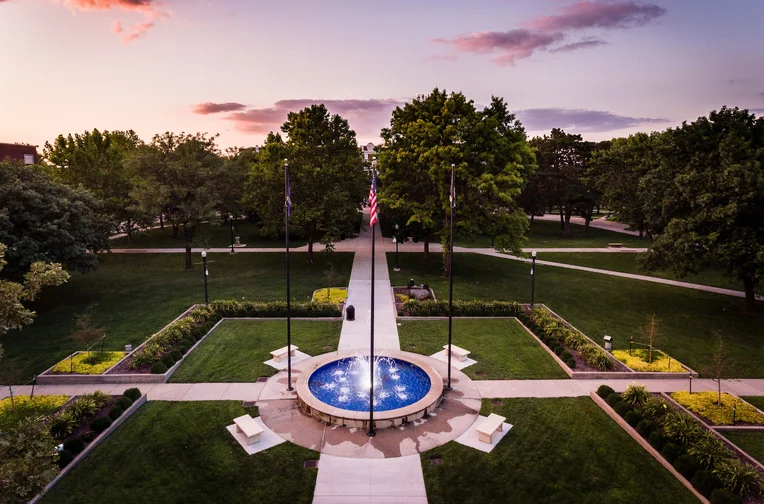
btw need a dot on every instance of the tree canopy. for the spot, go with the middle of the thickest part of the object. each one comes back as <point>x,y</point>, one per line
<point>43,220</point>
<point>326,173</point>
<point>492,163</point>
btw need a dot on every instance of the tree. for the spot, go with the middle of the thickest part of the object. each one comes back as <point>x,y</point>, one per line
<point>27,460</point>
<point>43,220</point>
<point>719,368</point>
<point>95,161</point>
<point>179,177</point>
<point>704,200</point>
<point>326,174</point>
<point>617,172</point>
<point>86,331</point>
<point>650,333</point>
<point>492,161</point>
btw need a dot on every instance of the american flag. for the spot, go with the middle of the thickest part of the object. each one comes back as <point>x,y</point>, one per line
<point>373,199</point>
<point>287,191</point>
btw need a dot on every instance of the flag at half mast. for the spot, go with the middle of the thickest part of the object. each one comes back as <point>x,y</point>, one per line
<point>373,199</point>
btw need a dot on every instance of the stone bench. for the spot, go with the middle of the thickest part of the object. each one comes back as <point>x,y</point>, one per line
<point>487,428</point>
<point>247,425</point>
<point>282,353</point>
<point>615,245</point>
<point>459,353</point>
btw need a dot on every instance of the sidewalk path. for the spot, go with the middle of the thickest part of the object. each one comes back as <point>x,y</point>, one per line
<point>600,223</point>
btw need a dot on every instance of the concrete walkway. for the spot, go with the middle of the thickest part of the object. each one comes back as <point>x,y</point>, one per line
<point>601,223</point>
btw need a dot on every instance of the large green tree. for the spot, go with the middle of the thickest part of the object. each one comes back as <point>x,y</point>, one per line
<point>178,176</point>
<point>704,201</point>
<point>27,460</point>
<point>326,173</point>
<point>43,220</point>
<point>492,162</point>
<point>95,161</point>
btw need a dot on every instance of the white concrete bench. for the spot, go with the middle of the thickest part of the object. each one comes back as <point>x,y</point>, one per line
<point>282,353</point>
<point>615,245</point>
<point>459,353</point>
<point>494,423</point>
<point>249,427</point>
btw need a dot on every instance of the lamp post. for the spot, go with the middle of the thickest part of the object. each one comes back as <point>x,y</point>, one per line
<point>232,250</point>
<point>452,204</point>
<point>205,273</point>
<point>287,214</point>
<point>395,239</point>
<point>533,278</point>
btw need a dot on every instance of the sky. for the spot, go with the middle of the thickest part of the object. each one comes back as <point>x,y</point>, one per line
<point>601,68</point>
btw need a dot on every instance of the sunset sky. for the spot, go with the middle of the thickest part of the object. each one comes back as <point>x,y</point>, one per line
<point>236,67</point>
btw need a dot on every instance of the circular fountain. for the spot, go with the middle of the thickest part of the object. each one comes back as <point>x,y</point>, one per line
<point>335,388</point>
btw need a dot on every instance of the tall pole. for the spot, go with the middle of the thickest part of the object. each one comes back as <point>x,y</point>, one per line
<point>232,250</point>
<point>288,211</point>
<point>397,264</point>
<point>452,198</point>
<point>533,279</point>
<point>372,212</point>
<point>205,273</point>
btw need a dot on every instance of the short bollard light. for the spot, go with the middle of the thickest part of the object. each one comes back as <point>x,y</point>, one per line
<point>128,348</point>
<point>350,312</point>
<point>411,282</point>
<point>608,342</point>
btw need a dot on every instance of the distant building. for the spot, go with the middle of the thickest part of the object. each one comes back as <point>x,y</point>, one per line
<point>369,152</point>
<point>27,154</point>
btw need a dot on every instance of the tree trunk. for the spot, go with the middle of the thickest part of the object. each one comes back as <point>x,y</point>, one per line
<point>310,249</point>
<point>562,218</point>
<point>161,221</point>
<point>188,234</point>
<point>427,248</point>
<point>589,211</point>
<point>533,215</point>
<point>566,225</point>
<point>750,295</point>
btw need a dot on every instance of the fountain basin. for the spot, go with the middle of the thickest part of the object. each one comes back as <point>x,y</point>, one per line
<point>421,385</point>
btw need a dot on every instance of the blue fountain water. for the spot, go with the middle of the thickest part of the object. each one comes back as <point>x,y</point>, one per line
<point>344,383</point>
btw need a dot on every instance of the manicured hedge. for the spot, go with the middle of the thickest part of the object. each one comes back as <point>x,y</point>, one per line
<point>475,308</point>
<point>233,308</point>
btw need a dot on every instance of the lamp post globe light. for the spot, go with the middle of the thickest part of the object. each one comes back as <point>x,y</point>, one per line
<point>395,240</point>
<point>533,278</point>
<point>205,273</point>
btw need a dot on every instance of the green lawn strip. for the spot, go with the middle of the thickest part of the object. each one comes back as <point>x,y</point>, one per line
<point>625,262</point>
<point>138,294</point>
<point>757,401</point>
<point>548,234</point>
<point>211,235</point>
<point>559,450</point>
<point>172,452</point>
<point>690,321</point>
<point>752,442</point>
<point>502,348</point>
<point>236,350</point>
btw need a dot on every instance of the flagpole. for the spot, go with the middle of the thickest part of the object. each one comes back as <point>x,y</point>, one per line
<point>452,198</point>
<point>287,211</point>
<point>372,222</point>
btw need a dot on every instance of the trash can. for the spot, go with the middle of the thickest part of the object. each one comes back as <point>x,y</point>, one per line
<point>350,312</point>
<point>608,342</point>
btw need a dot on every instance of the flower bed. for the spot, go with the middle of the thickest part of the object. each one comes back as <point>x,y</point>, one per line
<point>476,308</point>
<point>638,361</point>
<point>87,416</point>
<point>556,334</point>
<point>335,295</point>
<point>84,363</point>
<point>696,453</point>
<point>732,410</point>
<point>23,406</point>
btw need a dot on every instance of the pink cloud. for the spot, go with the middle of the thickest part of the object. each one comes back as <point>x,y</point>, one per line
<point>590,14</point>
<point>149,9</point>
<point>513,45</point>
<point>214,108</point>
<point>581,44</point>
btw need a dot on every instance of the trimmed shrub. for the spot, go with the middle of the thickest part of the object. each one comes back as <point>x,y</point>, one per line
<point>682,428</point>
<point>636,395</point>
<point>571,362</point>
<point>687,466</point>
<point>124,402</point>
<point>705,482</point>
<point>158,368</point>
<point>613,399</point>
<point>709,450</point>
<point>632,418</point>
<point>656,440</point>
<point>740,478</point>
<point>645,428</point>
<point>64,458</point>
<point>176,355</point>
<point>168,360</point>
<point>100,424</point>
<point>74,445</point>
<point>184,347</point>
<point>604,391</point>
<point>622,407</point>
<point>557,350</point>
<point>723,496</point>
<point>88,436</point>
<point>61,425</point>
<point>132,393</point>
<point>115,412</point>
<point>474,308</point>
<point>565,355</point>
<point>671,452</point>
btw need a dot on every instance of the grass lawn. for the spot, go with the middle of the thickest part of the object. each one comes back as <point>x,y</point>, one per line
<point>559,450</point>
<point>757,401</point>
<point>690,321</point>
<point>137,294</point>
<point>172,452</point>
<point>627,263</point>
<point>207,235</point>
<point>751,442</point>
<point>547,234</point>
<point>502,348</point>
<point>236,350</point>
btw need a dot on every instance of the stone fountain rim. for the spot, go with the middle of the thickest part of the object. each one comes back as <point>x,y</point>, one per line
<point>432,397</point>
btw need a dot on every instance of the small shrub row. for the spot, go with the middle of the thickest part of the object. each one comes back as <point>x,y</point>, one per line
<point>554,333</point>
<point>88,363</point>
<point>475,308</point>
<point>79,410</point>
<point>638,360</point>
<point>233,308</point>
